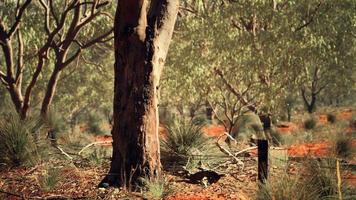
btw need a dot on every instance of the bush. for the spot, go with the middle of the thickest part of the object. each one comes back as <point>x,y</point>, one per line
<point>155,189</point>
<point>316,181</point>
<point>310,123</point>
<point>322,174</point>
<point>17,146</point>
<point>331,118</point>
<point>184,139</point>
<point>343,147</point>
<point>285,187</point>
<point>55,125</point>
<point>94,122</point>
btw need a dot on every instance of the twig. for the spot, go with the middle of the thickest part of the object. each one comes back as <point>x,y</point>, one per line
<point>229,136</point>
<point>244,150</point>
<point>11,194</point>
<point>94,143</point>
<point>64,153</point>
<point>227,152</point>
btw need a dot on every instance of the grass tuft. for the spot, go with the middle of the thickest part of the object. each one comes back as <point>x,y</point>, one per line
<point>50,179</point>
<point>17,146</point>
<point>310,123</point>
<point>156,189</point>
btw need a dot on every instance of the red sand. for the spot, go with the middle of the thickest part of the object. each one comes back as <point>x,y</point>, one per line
<point>323,119</point>
<point>321,149</point>
<point>345,115</point>
<point>287,127</point>
<point>214,130</point>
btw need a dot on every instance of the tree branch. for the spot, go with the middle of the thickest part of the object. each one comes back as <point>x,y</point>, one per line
<point>311,18</point>
<point>99,39</point>
<point>47,10</point>
<point>18,18</point>
<point>55,17</point>
<point>230,87</point>
<point>71,59</point>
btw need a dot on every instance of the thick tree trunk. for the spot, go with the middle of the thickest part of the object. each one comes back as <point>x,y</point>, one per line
<point>143,30</point>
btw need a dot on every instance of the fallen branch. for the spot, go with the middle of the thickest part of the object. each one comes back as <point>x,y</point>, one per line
<point>92,144</point>
<point>244,150</point>
<point>229,136</point>
<point>64,153</point>
<point>227,152</point>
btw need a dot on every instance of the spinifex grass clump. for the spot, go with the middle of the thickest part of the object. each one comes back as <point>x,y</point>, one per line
<point>155,189</point>
<point>17,146</point>
<point>322,174</point>
<point>286,187</point>
<point>310,123</point>
<point>50,178</point>
<point>184,140</point>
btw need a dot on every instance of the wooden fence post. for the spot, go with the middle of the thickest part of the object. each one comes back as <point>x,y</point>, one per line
<point>262,146</point>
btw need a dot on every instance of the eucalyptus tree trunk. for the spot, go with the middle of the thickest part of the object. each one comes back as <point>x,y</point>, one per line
<point>143,31</point>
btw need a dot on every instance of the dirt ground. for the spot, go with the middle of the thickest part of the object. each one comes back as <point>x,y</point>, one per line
<point>79,178</point>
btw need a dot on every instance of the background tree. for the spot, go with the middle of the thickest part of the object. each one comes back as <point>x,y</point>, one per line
<point>68,30</point>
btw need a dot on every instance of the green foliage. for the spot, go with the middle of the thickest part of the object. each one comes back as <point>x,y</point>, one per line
<point>156,189</point>
<point>94,122</point>
<point>50,178</point>
<point>331,118</point>
<point>55,122</point>
<point>184,139</point>
<point>248,125</point>
<point>17,146</point>
<point>310,123</point>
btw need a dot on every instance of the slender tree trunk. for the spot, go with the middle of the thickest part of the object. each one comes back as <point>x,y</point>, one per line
<point>310,105</point>
<point>143,30</point>
<point>50,91</point>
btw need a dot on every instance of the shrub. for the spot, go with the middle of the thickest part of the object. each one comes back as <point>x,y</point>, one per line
<point>331,118</point>
<point>343,146</point>
<point>310,123</point>
<point>184,139</point>
<point>94,122</point>
<point>50,178</point>
<point>156,189</point>
<point>17,146</point>
<point>55,125</point>
<point>322,174</point>
<point>285,187</point>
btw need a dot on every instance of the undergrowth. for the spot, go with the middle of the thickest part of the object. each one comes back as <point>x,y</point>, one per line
<point>17,146</point>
